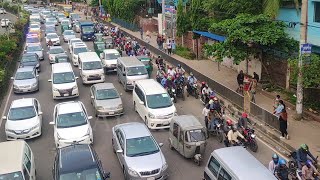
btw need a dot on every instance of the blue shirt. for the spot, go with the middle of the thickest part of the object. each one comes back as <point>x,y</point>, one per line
<point>279,110</point>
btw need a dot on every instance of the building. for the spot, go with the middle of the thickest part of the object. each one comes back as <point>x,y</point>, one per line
<point>291,17</point>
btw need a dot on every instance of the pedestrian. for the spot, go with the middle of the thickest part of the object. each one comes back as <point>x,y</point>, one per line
<point>165,46</point>
<point>276,102</point>
<point>141,33</point>
<point>169,47</point>
<point>240,79</point>
<point>173,46</point>
<point>256,76</point>
<point>279,109</point>
<point>283,121</point>
<point>205,112</point>
<point>253,89</point>
<point>162,40</point>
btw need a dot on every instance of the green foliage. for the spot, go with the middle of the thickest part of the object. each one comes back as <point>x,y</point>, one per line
<point>123,9</point>
<point>185,52</point>
<point>310,71</point>
<point>183,24</point>
<point>246,34</point>
<point>94,3</point>
<point>198,16</point>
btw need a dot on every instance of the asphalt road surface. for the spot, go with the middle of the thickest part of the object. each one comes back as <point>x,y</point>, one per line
<point>9,16</point>
<point>44,149</point>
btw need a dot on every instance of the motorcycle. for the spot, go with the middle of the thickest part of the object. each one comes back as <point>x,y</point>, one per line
<point>180,87</point>
<point>172,93</point>
<point>217,129</point>
<point>193,90</point>
<point>251,139</point>
<point>294,172</point>
<point>204,99</point>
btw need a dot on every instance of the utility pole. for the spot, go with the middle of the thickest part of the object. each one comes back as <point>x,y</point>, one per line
<point>163,17</point>
<point>303,40</point>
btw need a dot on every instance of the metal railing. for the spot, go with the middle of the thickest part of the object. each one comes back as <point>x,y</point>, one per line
<point>125,24</point>
<point>262,114</point>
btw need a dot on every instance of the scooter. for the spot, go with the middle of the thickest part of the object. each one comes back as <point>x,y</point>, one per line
<point>172,93</point>
<point>193,90</point>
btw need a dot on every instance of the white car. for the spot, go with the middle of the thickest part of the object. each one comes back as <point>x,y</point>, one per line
<point>68,34</point>
<point>5,22</point>
<point>54,38</point>
<point>72,41</point>
<point>34,27</point>
<point>71,124</point>
<point>60,17</point>
<point>75,52</point>
<point>24,119</point>
<point>3,11</point>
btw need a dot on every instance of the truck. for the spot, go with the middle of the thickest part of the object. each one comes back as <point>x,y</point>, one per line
<point>86,31</point>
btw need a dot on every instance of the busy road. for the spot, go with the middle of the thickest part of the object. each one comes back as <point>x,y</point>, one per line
<point>43,147</point>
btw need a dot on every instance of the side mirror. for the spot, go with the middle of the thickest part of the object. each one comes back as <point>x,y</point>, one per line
<point>50,80</point>
<point>77,77</point>
<point>160,144</point>
<point>141,102</point>
<point>40,113</point>
<point>92,97</point>
<point>89,117</point>
<point>51,123</point>
<point>12,78</point>
<point>4,117</point>
<point>120,151</point>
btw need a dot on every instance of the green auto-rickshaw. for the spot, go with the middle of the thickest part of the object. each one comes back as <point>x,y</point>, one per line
<point>65,25</point>
<point>109,43</point>
<point>99,47</point>
<point>147,62</point>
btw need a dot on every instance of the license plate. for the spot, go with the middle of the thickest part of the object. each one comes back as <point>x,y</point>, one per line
<point>151,178</point>
<point>165,124</point>
<point>111,113</point>
<point>65,94</point>
<point>24,90</point>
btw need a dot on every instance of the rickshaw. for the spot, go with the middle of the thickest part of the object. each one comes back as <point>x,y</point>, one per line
<point>188,137</point>
<point>147,62</point>
<point>109,42</point>
<point>61,58</point>
<point>99,46</point>
<point>98,37</point>
<point>65,25</point>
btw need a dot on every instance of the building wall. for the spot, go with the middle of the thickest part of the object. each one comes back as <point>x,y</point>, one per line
<point>191,43</point>
<point>290,15</point>
<point>149,24</point>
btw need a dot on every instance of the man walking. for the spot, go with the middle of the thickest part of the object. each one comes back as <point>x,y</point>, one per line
<point>240,79</point>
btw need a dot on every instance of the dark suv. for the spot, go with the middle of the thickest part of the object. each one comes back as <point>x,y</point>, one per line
<point>78,162</point>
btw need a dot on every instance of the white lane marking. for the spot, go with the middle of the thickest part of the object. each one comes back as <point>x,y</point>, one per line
<point>6,104</point>
<point>273,149</point>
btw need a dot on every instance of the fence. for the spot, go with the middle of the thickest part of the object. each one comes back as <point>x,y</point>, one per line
<point>264,115</point>
<point>125,24</point>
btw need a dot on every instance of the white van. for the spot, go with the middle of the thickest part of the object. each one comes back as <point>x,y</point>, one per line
<point>16,161</point>
<point>63,80</point>
<point>153,104</point>
<point>109,59</point>
<point>90,67</point>
<point>235,163</point>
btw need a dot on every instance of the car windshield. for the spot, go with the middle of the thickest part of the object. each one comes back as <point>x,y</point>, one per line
<point>34,48</point>
<point>65,23</point>
<point>86,174</point>
<point>101,46</point>
<point>65,77</point>
<point>24,75</point>
<point>56,51</point>
<point>102,94</point>
<point>112,56</point>
<point>34,26</point>
<point>196,135</point>
<point>50,23</point>
<point>80,50</point>
<point>33,40</point>
<point>139,70</point>
<point>87,29</point>
<point>141,146</point>
<point>28,59</point>
<point>156,101</point>
<point>21,113</point>
<point>71,120</point>
<point>68,33</point>
<point>92,65</point>
<point>12,176</point>
<point>52,36</point>
<point>51,20</point>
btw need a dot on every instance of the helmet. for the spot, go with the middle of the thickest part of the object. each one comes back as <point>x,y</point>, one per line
<point>179,65</point>
<point>275,156</point>
<point>304,147</point>
<point>309,162</point>
<point>229,122</point>
<point>203,83</point>
<point>191,74</point>
<point>215,98</point>
<point>282,162</point>
<point>244,115</point>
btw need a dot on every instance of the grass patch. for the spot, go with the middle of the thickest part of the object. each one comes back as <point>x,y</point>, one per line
<point>185,52</point>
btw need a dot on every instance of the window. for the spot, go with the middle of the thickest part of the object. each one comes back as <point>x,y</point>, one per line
<point>317,12</point>
<point>223,175</point>
<point>36,105</point>
<point>25,173</point>
<point>27,163</point>
<point>28,151</point>
<point>214,166</point>
<point>140,94</point>
<point>175,130</point>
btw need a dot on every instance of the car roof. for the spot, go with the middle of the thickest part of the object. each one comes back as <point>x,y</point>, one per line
<point>104,86</point>
<point>29,54</point>
<point>70,157</point>
<point>241,161</point>
<point>109,51</point>
<point>22,102</point>
<point>30,45</point>
<point>52,34</point>
<point>187,122</point>
<point>150,86</point>
<point>69,107</point>
<point>134,130</point>
<point>56,47</point>
<point>78,44</point>
<point>25,69</point>
<point>130,61</point>
<point>73,39</point>
<point>89,56</point>
<point>11,156</point>
<point>61,67</point>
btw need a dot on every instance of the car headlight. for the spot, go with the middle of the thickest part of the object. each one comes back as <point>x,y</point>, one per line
<point>75,87</point>
<point>99,108</point>
<point>152,116</point>
<point>55,89</point>
<point>129,82</point>
<point>120,106</point>
<point>132,172</point>
<point>164,166</point>
<point>34,85</point>
<point>9,130</point>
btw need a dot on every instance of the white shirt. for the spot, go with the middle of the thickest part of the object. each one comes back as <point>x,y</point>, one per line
<point>272,166</point>
<point>171,72</point>
<point>205,111</point>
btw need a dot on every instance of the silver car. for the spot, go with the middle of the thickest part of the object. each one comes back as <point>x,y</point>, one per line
<point>35,48</point>
<point>25,80</point>
<point>138,152</point>
<point>54,51</point>
<point>106,100</point>
<point>68,34</point>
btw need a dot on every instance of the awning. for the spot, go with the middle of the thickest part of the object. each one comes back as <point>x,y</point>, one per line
<point>210,35</point>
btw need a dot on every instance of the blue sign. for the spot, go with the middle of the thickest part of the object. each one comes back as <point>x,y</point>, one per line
<point>170,9</point>
<point>174,1</point>
<point>305,48</point>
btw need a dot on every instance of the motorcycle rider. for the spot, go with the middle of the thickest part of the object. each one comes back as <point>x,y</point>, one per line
<point>308,170</point>
<point>205,92</point>
<point>160,62</point>
<point>180,70</point>
<point>171,71</point>
<point>164,80</point>
<point>282,171</point>
<point>213,119</point>
<point>190,82</point>
<point>215,104</point>
<point>302,155</point>
<point>234,135</point>
<point>169,83</point>
<point>243,121</point>
<point>273,163</point>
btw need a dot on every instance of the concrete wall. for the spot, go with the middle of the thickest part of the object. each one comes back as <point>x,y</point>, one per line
<point>149,24</point>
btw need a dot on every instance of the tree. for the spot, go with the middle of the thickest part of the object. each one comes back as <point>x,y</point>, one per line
<point>94,3</point>
<point>246,35</point>
<point>198,16</point>
<point>182,20</point>
<point>271,7</point>
<point>123,9</point>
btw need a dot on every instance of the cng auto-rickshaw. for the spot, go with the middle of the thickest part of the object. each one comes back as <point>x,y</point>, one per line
<point>109,42</point>
<point>147,62</point>
<point>188,137</point>
<point>99,47</point>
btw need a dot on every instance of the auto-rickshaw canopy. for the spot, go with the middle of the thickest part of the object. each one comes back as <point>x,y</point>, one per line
<point>186,122</point>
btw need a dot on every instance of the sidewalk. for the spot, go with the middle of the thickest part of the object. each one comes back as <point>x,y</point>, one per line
<point>305,131</point>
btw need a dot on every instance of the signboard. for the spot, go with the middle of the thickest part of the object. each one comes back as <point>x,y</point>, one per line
<point>305,48</point>
<point>170,9</point>
<point>175,2</point>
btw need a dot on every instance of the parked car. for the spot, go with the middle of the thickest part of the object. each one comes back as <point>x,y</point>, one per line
<point>68,34</point>
<point>54,51</point>
<point>35,48</point>
<point>67,167</point>
<point>138,152</point>
<point>71,124</point>
<point>3,11</point>
<point>54,38</point>
<point>63,58</point>
<point>106,100</point>
<point>5,22</point>
<point>30,59</point>
<point>25,80</point>
<point>24,119</point>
